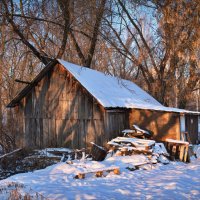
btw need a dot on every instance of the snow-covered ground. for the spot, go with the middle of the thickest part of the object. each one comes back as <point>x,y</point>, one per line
<point>173,181</point>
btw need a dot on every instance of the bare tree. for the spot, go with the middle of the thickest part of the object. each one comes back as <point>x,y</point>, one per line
<point>153,43</point>
<point>158,44</point>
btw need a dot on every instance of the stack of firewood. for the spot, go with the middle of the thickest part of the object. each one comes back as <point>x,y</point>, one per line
<point>127,146</point>
<point>123,146</point>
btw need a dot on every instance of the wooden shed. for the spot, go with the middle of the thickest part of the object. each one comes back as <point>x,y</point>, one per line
<point>70,106</point>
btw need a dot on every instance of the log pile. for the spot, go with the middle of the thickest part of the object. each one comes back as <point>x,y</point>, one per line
<point>128,145</point>
<point>123,146</point>
<point>23,160</point>
<point>136,140</point>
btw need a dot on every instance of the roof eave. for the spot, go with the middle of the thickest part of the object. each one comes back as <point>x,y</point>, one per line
<point>168,111</point>
<point>34,82</point>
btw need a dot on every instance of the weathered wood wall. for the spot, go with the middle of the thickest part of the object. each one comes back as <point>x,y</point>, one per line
<point>60,112</point>
<point>18,124</point>
<point>162,124</point>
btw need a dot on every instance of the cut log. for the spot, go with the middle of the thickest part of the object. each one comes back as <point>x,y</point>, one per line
<point>116,171</point>
<point>80,176</point>
<point>98,153</point>
<point>98,172</point>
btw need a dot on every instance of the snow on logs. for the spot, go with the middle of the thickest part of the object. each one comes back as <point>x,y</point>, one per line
<point>132,144</point>
<point>155,152</point>
<point>137,132</point>
<point>98,172</point>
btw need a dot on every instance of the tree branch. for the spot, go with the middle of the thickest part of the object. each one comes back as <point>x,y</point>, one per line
<point>34,18</point>
<point>141,35</point>
<point>65,7</point>
<point>20,34</point>
<point>78,49</point>
<point>99,16</point>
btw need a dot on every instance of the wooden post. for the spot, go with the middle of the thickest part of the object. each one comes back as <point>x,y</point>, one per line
<point>181,155</point>
<point>186,153</point>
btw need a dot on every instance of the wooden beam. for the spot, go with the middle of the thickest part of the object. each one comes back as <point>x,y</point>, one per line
<point>20,81</point>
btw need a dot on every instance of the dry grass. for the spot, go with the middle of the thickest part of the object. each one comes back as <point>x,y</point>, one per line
<point>16,191</point>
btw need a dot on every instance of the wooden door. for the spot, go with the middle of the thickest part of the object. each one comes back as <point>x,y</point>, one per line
<point>117,121</point>
<point>192,127</point>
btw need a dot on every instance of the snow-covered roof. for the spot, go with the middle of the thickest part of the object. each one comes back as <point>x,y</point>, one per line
<point>113,92</point>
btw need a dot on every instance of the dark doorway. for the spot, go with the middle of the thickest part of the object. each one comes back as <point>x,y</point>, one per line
<point>191,125</point>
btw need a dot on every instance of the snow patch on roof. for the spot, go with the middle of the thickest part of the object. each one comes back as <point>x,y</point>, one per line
<point>113,92</point>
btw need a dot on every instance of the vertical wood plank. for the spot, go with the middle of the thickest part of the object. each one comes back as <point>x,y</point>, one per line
<point>90,132</point>
<point>67,133</point>
<point>52,133</point>
<point>46,133</point>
